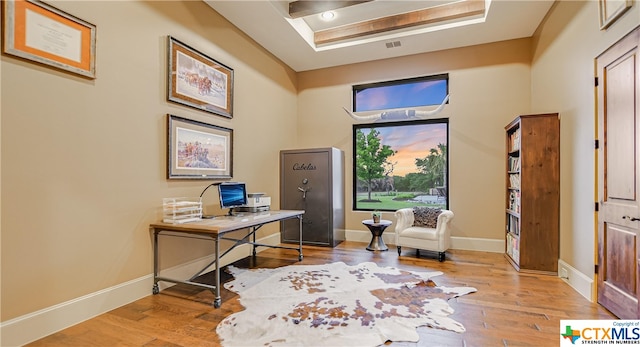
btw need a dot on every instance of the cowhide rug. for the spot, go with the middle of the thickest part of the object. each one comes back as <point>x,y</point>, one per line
<point>335,305</point>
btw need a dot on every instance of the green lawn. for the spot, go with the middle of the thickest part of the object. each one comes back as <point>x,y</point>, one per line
<point>387,202</point>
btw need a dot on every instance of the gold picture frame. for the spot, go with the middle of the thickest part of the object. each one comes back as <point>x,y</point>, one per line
<point>199,81</point>
<point>611,10</point>
<point>36,31</point>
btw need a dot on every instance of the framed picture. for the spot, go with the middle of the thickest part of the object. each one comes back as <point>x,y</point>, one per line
<point>611,10</point>
<point>39,32</point>
<point>198,81</point>
<point>197,150</point>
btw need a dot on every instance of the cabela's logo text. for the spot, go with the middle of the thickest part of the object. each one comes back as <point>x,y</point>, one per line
<point>303,166</point>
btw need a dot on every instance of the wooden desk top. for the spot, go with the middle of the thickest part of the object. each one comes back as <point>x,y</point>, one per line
<point>224,224</point>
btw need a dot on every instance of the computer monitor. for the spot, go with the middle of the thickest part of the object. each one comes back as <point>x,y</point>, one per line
<point>232,194</point>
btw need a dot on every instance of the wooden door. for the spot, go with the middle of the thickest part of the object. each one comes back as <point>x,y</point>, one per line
<point>618,225</point>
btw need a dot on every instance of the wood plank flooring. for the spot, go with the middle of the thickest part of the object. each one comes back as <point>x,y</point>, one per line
<point>509,308</point>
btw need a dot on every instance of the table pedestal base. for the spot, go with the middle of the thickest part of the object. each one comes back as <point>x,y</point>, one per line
<point>377,244</point>
<point>376,228</point>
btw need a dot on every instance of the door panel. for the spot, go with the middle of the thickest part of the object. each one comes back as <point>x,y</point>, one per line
<point>617,100</point>
<point>620,270</point>
<point>620,129</point>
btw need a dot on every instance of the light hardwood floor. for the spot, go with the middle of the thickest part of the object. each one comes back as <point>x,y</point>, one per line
<point>509,308</point>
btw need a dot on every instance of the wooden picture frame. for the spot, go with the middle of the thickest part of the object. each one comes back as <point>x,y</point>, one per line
<point>44,34</point>
<point>199,81</point>
<point>197,150</point>
<point>611,10</point>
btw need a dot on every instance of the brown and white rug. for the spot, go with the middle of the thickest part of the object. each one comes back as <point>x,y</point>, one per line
<point>335,305</point>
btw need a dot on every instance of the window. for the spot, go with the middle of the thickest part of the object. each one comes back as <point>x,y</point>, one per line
<point>412,92</point>
<point>400,164</point>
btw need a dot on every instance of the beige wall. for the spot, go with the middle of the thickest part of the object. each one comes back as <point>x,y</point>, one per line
<point>489,86</point>
<point>564,51</point>
<point>84,160</point>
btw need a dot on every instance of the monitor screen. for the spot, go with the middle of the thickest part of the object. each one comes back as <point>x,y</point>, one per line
<point>232,194</point>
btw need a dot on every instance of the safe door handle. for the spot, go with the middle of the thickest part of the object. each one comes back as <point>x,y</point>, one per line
<point>633,219</point>
<point>304,192</point>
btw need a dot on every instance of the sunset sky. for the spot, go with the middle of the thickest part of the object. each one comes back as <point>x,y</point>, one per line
<point>411,142</point>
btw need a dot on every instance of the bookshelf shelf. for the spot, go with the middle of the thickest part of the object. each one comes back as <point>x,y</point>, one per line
<point>533,193</point>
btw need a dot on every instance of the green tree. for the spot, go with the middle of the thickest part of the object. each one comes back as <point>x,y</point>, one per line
<point>434,166</point>
<point>401,183</point>
<point>372,158</point>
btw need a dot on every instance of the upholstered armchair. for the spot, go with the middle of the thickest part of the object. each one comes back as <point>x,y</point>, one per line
<point>428,231</point>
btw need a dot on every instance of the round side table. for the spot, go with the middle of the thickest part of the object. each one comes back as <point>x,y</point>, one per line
<point>377,243</point>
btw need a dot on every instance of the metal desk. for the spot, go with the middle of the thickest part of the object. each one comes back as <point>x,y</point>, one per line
<point>215,230</point>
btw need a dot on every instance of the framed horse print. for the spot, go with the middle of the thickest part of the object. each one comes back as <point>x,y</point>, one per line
<point>197,150</point>
<point>199,81</point>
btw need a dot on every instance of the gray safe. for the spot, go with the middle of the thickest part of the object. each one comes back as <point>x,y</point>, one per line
<point>313,180</point>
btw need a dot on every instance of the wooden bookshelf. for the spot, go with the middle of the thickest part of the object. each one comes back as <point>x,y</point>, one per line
<point>533,193</point>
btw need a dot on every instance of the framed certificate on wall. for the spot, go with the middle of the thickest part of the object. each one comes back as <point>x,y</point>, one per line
<point>41,33</point>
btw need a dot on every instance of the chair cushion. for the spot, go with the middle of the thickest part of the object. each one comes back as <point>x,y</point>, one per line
<point>425,216</point>
<point>420,233</point>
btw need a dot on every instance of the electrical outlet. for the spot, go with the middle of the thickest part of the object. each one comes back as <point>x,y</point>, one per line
<point>564,273</point>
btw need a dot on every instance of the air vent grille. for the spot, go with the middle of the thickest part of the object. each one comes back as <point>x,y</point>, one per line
<point>393,44</point>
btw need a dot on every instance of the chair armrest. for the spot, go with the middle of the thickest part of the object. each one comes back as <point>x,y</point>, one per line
<point>404,219</point>
<point>442,225</point>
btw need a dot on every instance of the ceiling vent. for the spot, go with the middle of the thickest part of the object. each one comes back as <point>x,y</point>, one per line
<point>393,44</point>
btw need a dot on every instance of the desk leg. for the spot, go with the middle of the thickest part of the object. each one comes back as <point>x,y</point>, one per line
<point>218,299</point>
<point>300,245</point>
<point>254,240</point>
<point>155,289</point>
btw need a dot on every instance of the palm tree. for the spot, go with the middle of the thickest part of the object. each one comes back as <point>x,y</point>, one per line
<point>434,166</point>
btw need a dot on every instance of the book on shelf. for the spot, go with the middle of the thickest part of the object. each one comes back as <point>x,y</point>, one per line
<point>513,248</point>
<point>514,181</point>
<point>513,225</point>
<point>514,140</point>
<point>514,201</point>
<point>514,164</point>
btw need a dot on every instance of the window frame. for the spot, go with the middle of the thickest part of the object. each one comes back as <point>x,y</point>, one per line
<point>401,82</point>
<point>406,125</point>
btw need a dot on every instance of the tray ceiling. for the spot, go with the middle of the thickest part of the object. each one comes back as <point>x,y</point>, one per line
<point>377,29</point>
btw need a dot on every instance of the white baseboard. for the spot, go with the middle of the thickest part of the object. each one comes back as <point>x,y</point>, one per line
<point>466,243</point>
<point>477,244</point>
<point>36,325</point>
<point>582,283</point>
